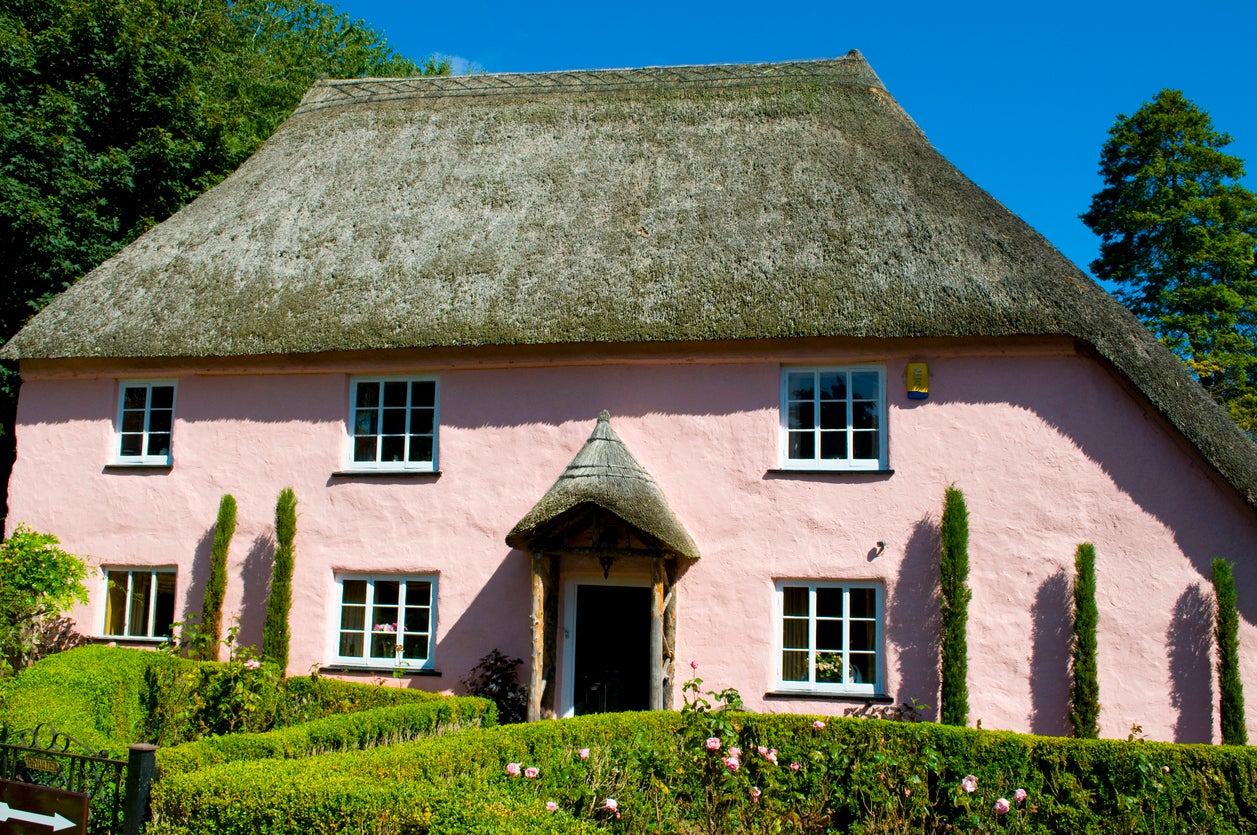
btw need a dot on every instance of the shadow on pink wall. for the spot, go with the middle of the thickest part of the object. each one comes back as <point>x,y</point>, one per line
<point>912,619</point>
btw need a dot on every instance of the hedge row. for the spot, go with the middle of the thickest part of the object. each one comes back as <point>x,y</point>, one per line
<point>848,775</point>
<point>354,731</point>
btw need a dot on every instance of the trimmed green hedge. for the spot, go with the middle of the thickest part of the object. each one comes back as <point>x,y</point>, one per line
<point>352,731</point>
<point>853,775</point>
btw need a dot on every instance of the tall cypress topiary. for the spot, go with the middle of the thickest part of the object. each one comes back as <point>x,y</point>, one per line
<point>1226,628</point>
<point>275,633</point>
<point>954,577</point>
<point>216,587</point>
<point>1084,693</point>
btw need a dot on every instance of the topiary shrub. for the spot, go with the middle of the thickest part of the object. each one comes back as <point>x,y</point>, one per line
<point>1084,691</point>
<point>211,627</point>
<point>496,678</point>
<point>954,591</point>
<point>275,632</point>
<point>1226,630</point>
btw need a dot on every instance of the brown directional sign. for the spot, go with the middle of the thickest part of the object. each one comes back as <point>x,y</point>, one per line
<point>28,809</point>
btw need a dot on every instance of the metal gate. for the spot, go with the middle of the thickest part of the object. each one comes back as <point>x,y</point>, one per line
<point>118,789</point>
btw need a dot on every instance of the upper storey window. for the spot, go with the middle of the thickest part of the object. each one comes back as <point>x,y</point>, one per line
<point>146,413</point>
<point>393,423</point>
<point>833,418</point>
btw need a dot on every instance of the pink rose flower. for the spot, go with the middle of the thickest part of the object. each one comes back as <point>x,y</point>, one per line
<point>735,751</point>
<point>732,763</point>
<point>611,804</point>
<point>512,769</point>
<point>795,766</point>
<point>818,724</point>
<point>531,772</point>
<point>693,665</point>
<point>755,794</point>
<point>252,664</point>
<point>907,792</point>
<point>1002,806</point>
<point>771,756</point>
<point>1020,795</point>
<point>969,784</point>
<point>551,806</point>
<point>583,753</point>
<point>713,744</point>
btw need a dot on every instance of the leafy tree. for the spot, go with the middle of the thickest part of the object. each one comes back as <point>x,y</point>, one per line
<point>954,578</point>
<point>115,113</point>
<point>211,626</point>
<point>276,631</point>
<point>1178,234</point>
<point>1226,628</point>
<point>38,582</point>
<point>1084,691</point>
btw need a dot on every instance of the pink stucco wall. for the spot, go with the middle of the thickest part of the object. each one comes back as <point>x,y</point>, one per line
<point>1049,448</point>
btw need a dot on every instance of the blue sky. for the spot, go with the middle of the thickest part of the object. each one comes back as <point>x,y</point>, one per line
<point>1019,96</point>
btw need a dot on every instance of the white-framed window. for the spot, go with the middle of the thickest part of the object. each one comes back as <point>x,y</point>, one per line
<point>386,621</point>
<point>833,418</point>
<point>146,414</point>
<point>393,423</point>
<point>139,602</point>
<point>830,638</point>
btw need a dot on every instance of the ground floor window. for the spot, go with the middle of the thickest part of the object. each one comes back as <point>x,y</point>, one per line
<point>139,603</point>
<point>386,621</point>
<point>831,637</point>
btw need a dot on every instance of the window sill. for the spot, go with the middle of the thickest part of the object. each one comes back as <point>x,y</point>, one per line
<point>379,671</point>
<point>128,466</point>
<point>813,696</point>
<point>128,640</point>
<point>352,474</point>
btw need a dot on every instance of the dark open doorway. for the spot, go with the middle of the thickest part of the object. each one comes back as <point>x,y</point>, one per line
<point>612,652</point>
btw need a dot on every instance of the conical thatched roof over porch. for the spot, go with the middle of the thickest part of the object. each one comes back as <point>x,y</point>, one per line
<point>606,475</point>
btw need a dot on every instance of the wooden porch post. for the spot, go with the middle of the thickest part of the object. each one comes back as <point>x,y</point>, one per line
<point>670,635</point>
<point>656,634</point>
<point>536,679</point>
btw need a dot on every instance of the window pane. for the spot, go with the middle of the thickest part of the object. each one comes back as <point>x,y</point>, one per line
<point>368,394</point>
<point>353,617</point>
<point>863,634</point>
<point>863,445</point>
<point>420,448</point>
<point>140,592</point>
<point>834,386</point>
<point>354,591</point>
<point>132,421</point>
<point>863,603</point>
<point>421,421</point>
<point>801,385</point>
<point>864,414</point>
<point>794,633</point>
<point>366,422</point>
<point>387,592</point>
<point>415,648</point>
<point>829,667</point>
<point>163,397</point>
<point>802,445</point>
<point>802,416</point>
<point>829,635</point>
<point>423,393</point>
<point>392,448</point>
<point>417,619</point>
<point>165,615</point>
<point>794,666</point>
<point>159,420</point>
<point>395,394</point>
<point>829,602</point>
<point>351,644</point>
<point>418,593</point>
<point>135,397</point>
<point>131,445</point>
<point>834,414</point>
<point>394,422</point>
<point>383,645</point>
<point>834,445</point>
<point>159,444</point>
<point>116,603</point>
<point>863,667</point>
<point>794,600</point>
<point>864,385</point>
<point>364,449</point>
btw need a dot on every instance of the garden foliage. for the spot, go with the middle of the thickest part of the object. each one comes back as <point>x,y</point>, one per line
<point>276,631</point>
<point>1226,627</point>
<point>1084,692</point>
<point>954,591</point>
<point>38,582</point>
<point>496,677</point>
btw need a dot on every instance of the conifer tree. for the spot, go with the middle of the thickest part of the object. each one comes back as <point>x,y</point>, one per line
<point>1226,628</point>
<point>1084,692</point>
<point>1178,234</point>
<point>955,593</point>
<point>276,632</point>
<point>216,586</point>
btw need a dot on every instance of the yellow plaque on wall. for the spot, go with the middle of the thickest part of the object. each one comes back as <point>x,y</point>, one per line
<point>918,378</point>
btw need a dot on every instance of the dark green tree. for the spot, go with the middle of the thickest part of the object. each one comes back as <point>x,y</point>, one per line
<point>115,113</point>
<point>1084,691</point>
<point>954,589</point>
<point>276,632</point>
<point>1226,630</point>
<point>216,587</point>
<point>1178,233</point>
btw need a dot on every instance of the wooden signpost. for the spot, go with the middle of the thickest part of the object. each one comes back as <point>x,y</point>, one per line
<point>30,809</point>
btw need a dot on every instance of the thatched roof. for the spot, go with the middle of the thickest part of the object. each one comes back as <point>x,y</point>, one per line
<point>664,204</point>
<point>605,474</point>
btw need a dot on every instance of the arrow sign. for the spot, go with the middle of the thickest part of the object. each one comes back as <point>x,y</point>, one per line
<point>57,821</point>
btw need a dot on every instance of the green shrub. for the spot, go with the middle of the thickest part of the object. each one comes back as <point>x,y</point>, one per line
<point>954,591</point>
<point>38,582</point>
<point>1084,692</point>
<point>211,625</point>
<point>186,700</point>
<point>276,631</point>
<point>1226,629</point>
